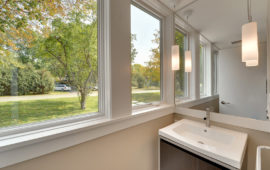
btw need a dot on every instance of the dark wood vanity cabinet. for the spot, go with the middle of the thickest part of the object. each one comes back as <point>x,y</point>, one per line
<point>173,157</point>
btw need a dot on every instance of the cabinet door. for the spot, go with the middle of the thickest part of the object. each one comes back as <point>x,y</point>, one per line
<point>203,165</point>
<point>171,158</point>
<point>175,158</point>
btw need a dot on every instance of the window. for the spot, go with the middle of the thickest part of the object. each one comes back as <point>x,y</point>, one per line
<point>145,57</point>
<point>215,61</point>
<point>181,77</point>
<point>48,61</point>
<point>202,70</point>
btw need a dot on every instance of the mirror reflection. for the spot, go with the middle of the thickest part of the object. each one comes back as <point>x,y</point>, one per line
<point>229,64</point>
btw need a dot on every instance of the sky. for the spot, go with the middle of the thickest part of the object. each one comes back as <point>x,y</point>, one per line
<point>144,26</point>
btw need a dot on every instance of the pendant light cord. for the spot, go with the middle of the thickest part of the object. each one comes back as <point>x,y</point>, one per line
<point>188,35</point>
<point>249,10</point>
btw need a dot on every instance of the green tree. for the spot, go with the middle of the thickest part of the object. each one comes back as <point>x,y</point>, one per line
<point>180,74</point>
<point>134,52</point>
<point>72,46</point>
<point>137,75</point>
<point>19,18</point>
<point>152,72</point>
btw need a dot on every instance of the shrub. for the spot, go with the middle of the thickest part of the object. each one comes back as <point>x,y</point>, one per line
<point>140,81</point>
<point>25,80</point>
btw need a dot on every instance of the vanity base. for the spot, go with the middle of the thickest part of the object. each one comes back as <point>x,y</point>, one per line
<point>175,157</point>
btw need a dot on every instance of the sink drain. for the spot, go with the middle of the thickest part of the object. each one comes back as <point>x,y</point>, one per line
<point>200,142</point>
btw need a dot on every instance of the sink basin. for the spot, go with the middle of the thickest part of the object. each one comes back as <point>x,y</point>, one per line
<point>223,145</point>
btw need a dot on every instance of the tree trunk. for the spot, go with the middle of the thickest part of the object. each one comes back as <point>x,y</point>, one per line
<point>83,100</point>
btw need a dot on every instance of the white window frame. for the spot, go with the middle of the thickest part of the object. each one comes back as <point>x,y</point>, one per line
<point>157,16</point>
<point>187,75</point>
<point>215,70</point>
<point>204,93</point>
<point>103,62</point>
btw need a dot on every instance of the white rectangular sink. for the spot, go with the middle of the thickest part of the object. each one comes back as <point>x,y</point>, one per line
<point>223,145</point>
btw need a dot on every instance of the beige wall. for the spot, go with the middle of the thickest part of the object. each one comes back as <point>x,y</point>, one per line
<point>130,149</point>
<point>214,103</point>
<point>255,138</point>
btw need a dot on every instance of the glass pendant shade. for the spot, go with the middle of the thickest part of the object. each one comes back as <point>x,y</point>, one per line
<point>188,63</point>
<point>252,63</point>
<point>175,57</point>
<point>250,53</point>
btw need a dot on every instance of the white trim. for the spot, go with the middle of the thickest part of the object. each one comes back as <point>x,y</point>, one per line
<point>25,146</point>
<point>105,104</point>
<point>242,122</point>
<point>156,5</point>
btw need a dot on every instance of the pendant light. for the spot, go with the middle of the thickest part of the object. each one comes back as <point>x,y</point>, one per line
<point>250,52</point>
<point>188,61</point>
<point>175,57</point>
<point>175,52</point>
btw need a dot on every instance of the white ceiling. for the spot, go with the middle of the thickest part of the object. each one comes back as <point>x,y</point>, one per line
<point>221,20</point>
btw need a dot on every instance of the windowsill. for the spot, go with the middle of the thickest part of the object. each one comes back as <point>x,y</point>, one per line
<point>25,146</point>
<point>194,102</point>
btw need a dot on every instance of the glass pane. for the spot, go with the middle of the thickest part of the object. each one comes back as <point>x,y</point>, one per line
<point>48,60</point>
<point>202,70</point>
<point>145,57</point>
<point>180,75</point>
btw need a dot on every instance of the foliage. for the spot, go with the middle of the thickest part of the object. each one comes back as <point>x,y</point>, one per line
<point>19,18</point>
<point>138,79</point>
<point>134,52</point>
<point>54,37</point>
<point>152,71</point>
<point>148,75</point>
<point>21,80</point>
<point>72,47</point>
<point>180,74</point>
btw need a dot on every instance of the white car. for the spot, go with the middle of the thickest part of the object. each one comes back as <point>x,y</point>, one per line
<point>62,87</point>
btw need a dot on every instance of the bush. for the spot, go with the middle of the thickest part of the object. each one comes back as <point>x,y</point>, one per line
<point>140,81</point>
<point>25,80</point>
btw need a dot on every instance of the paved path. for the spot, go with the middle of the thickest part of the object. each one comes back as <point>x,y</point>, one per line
<point>56,96</point>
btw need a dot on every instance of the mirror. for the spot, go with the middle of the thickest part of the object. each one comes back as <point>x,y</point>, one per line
<point>227,85</point>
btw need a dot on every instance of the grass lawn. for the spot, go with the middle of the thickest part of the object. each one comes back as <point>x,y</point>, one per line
<point>22,112</point>
<point>146,97</point>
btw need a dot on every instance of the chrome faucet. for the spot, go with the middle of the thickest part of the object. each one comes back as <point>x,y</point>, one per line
<point>207,117</point>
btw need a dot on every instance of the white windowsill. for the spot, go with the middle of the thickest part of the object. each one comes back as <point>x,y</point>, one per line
<point>25,146</point>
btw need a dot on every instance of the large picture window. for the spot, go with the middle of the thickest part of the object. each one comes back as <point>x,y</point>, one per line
<point>48,60</point>
<point>145,57</point>
<point>181,77</point>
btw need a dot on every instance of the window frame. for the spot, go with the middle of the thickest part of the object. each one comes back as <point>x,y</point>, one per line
<point>215,69</point>
<point>103,62</point>
<point>187,89</point>
<point>203,55</point>
<point>160,18</point>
